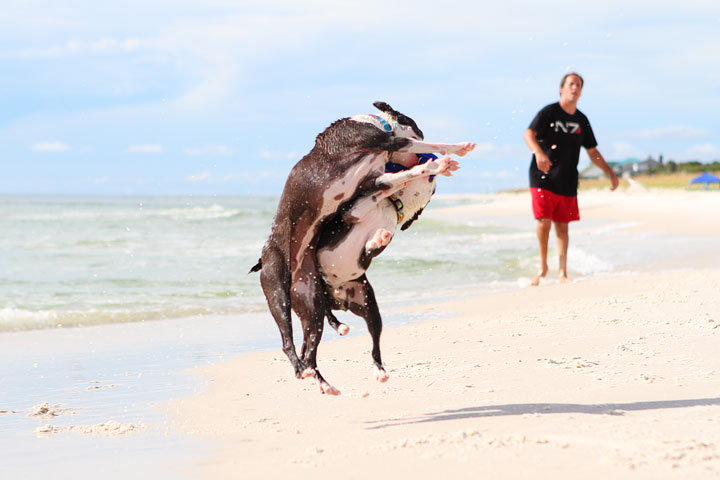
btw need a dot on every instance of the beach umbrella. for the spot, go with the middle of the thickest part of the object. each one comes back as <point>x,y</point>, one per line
<point>706,178</point>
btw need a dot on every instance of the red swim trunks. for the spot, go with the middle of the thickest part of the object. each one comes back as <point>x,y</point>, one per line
<point>557,208</point>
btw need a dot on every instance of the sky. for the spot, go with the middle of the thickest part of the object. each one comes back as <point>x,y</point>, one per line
<point>220,97</point>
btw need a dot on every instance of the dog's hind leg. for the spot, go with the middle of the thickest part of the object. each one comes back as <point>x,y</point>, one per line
<point>339,327</point>
<point>363,304</point>
<point>275,282</point>
<point>310,304</point>
<point>312,330</point>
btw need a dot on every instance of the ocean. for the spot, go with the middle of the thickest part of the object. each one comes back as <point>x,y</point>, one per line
<point>82,261</point>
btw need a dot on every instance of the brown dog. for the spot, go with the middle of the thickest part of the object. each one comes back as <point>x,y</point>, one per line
<point>347,162</point>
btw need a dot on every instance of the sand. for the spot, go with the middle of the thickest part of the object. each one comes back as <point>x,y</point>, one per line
<point>610,377</point>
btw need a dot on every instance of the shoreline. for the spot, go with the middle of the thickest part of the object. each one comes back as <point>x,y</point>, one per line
<point>514,382</point>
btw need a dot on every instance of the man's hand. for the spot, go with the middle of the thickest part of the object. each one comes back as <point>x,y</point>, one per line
<point>543,161</point>
<point>597,158</point>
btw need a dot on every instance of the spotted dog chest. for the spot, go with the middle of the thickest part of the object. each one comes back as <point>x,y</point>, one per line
<point>337,191</point>
<point>342,254</point>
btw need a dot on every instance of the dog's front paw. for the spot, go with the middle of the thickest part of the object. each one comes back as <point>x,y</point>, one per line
<point>463,148</point>
<point>445,166</point>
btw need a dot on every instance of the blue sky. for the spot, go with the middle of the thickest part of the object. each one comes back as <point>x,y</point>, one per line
<point>223,97</point>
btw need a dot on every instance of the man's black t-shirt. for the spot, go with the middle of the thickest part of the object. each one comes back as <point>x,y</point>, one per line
<point>560,135</point>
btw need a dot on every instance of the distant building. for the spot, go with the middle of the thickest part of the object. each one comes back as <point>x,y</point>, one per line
<point>627,168</point>
<point>634,166</point>
<point>593,171</point>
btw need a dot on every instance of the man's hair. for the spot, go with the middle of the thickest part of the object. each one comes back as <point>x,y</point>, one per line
<point>562,82</point>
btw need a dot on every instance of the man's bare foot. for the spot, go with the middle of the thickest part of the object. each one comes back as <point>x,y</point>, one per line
<point>536,280</point>
<point>565,279</point>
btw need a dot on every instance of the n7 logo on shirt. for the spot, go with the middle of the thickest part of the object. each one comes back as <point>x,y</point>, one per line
<point>567,127</point>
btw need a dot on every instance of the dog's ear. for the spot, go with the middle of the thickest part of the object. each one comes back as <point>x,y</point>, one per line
<point>384,107</point>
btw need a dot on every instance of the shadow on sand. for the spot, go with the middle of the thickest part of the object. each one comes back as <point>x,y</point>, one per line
<point>542,409</point>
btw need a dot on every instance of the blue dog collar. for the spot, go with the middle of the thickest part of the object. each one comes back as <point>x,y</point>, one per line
<point>385,125</point>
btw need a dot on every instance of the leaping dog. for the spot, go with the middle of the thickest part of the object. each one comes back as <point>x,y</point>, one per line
<point>347,162</point>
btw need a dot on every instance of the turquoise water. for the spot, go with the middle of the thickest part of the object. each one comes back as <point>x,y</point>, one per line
<point>75,261</point>
<point>80,261</point>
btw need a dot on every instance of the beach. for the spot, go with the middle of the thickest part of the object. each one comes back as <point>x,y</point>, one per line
<point>615,375</point>
<point>604,378</point>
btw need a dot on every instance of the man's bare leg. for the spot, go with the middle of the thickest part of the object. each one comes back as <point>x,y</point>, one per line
<point>563,240</point>
<point>543,235</point>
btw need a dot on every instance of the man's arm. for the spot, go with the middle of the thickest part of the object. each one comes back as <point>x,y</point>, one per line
<point>597,158</point>
<point>542,160</point>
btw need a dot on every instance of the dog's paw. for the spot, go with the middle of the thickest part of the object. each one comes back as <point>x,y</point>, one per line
<point>381,375</point>
<point>445,166</point>
<point>464,148</point>
<point>329,389</point>
<point>308,372</point>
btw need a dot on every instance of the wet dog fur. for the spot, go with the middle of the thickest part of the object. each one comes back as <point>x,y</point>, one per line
<point>347,162</point>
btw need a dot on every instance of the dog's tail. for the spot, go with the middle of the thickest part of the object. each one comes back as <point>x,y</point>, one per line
<point>256,268</point>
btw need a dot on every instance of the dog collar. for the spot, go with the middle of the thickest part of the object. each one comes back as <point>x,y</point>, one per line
<point>398,204</point>
<point>385,124</point>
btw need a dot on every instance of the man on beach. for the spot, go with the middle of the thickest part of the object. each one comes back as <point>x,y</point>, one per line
<point>555,136</point>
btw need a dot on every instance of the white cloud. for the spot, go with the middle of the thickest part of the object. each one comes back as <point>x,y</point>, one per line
<point>234,177</point>
<point>677,132</point>
<point>214,150</point>
<point>145,149</point>
<point>77,47</point>
<point>200,177</point>
<point>50,147</point>
<point>489,148</point>
<point>495,152</point>
<point>618,151</point>
<point>500,174</point>
<point>280,155</point>
<point>704,152</point>
<point>271,174</point>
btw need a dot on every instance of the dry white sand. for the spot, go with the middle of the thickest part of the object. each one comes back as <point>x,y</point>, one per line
<point>605,378</point>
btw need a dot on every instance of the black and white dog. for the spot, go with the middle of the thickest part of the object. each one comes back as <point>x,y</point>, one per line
<point>346,163</point>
